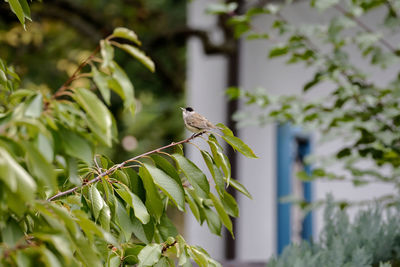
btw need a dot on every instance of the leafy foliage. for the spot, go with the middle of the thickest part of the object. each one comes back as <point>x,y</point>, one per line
<point>360,111</point>
<point>372,239</point>
<point>63,204</point>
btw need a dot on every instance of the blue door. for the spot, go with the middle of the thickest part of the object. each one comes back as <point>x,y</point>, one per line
<point>292,147</point>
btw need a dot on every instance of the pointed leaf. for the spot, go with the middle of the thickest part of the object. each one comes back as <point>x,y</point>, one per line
<point>195,176</point>
<point>238,186</point>
<point>107,53</point>
<point>222,213</point>
<point>125,33</point>
<point>94,108</point>
<point>220,159</point>
<point>225,129</point>
<point>135,202</point>
<point>17,9</point>
<point>149,255</point>
<point>101,81</point>
<point>125,85</point>
<point>105,217</point>
<point>215,171</point>
<point>139,55</point>
<point>122,220</point>
<point>168,185</point>
<point>167,167</point>
<point>153,200</point>
<point>96,200</point>
<point>213,221</point>
<point>144,232</point>
<point>240,146</point>
<point>40,167</point>
<point>76,146</point>
<point>16,177</point>
<point>35,107</point>
<point>230,204</point>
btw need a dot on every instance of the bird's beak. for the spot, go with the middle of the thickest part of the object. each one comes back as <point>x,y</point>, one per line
<point>182,108</point>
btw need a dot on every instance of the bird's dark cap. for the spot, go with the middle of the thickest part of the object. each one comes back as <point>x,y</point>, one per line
<point>189,109</point>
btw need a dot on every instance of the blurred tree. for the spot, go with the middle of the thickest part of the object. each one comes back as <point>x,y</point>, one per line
<point>63,33</point>
<point>352,42</point>
<point>62,203</point>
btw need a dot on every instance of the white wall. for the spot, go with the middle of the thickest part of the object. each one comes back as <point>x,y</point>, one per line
<point>256,230</point>
<point>206,84</point>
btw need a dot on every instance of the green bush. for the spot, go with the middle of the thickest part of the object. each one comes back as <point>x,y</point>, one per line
<point>373,238</point>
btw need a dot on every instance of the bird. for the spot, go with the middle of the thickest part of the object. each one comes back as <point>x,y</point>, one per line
<point>195,122</point>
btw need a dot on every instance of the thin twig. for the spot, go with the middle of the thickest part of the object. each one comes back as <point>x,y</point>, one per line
<point>76,73</point>
<point>120,166</point>
<point>366,28</point>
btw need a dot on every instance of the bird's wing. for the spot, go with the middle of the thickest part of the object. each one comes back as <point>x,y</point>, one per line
<point>199,122</point>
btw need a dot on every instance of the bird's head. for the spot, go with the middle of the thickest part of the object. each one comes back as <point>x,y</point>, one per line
<point>187,110</point>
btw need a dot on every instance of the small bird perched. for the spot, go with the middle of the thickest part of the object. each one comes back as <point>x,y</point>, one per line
<point>195,122</point>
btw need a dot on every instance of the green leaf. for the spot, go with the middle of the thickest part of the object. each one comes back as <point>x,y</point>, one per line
<point>323,4</point>
<point>220,159</point>
<point>166,228</point>
<point>221,8</point>
<point>122,220</point>
<point>193,206</point>
<point>127,34</point>
<point>240,146</point>
<point>11,233</point>
<point>165,262</point>
<point>76,146</point>
<point>49,258</point>
<point>153,200</point>
<point>167,167</point>
<point>96,200</point>
<point>107,53</point>
<point>135,202</point>
<point>105,217</point>
<point>222,213</point>
<point>238,186</point>
<point>131,253</point>
<point>101,81</point>
<point>96,110</point>
<point>213,221</point>
<point>26,9</point>
<point>125,86</point>
<point>214,170</point>
<point>17,9</point>
<point>35,107</point>
<point>149,255</point>
<point>144,232</point>
<point>40,167</point>
<point>168,185</point>
<point>198,256</point>
<point>139,55</point>
<point>194,175</point>
<point>46,147</point>
<point>226,131</point>
<point>230,204</point>
<point>15,177</point>
<point>278,51</point>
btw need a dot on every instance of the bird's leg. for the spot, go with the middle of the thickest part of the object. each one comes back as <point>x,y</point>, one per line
<point>198,134</point>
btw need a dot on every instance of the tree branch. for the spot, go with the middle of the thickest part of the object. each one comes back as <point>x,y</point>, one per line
<point>367,29</point>
<point>76,73</point>
<point>121,165</point>
<point>181,36</point>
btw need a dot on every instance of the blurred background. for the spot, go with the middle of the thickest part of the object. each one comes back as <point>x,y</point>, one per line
<point>197,58</point>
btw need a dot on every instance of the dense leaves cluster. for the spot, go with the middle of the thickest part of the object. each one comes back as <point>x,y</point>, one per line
<point>370,240</point>
<point>355,108</point>
<point>62,204</point>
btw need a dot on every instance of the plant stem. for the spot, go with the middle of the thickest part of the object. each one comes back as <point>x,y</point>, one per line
<point>121,165</point>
